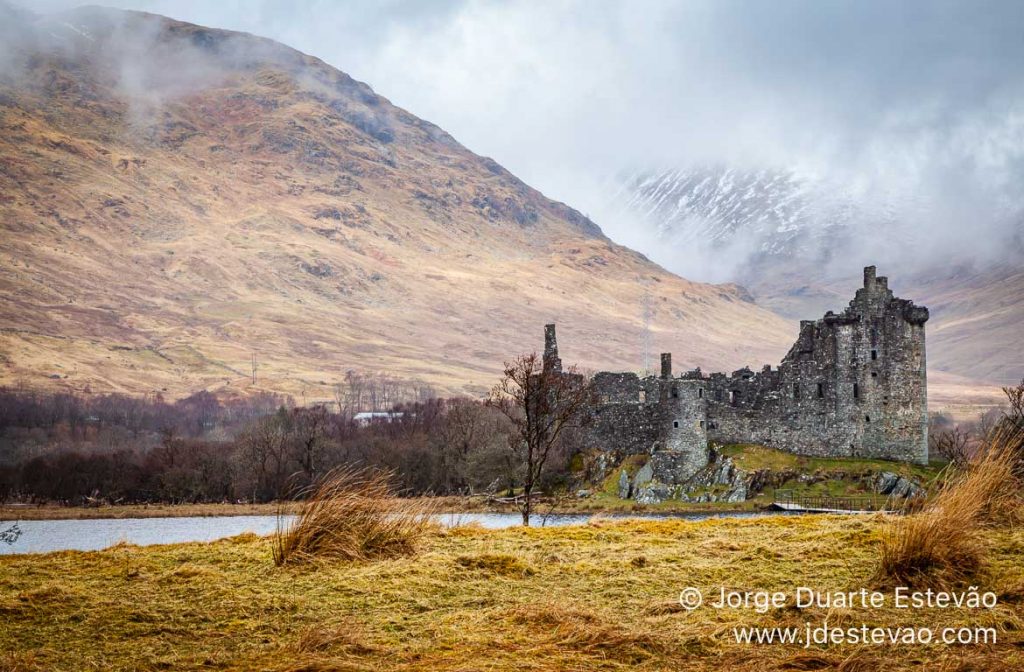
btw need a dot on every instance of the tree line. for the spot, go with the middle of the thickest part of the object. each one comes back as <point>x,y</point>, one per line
<point>118,449</point>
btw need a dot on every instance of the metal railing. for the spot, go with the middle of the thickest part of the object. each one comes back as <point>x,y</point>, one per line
<point>789,499</point>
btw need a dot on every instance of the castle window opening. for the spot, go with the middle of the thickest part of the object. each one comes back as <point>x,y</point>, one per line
<point>867,418</point>
<point>700,393</point>
<point>675,423</point>
<point>701,424</point>
<point>643,396</point>
<point>874,355</point>
<point>796,390</point>
<point>856,391</point>
<point>821,390</point>
<point>675,392</point>
<point>734,397</point>
<point>874,374</point>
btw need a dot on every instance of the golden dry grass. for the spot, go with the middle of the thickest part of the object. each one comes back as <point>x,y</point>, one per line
<point>944,544</point>
<point>353,514</point>
<point>463,603</point>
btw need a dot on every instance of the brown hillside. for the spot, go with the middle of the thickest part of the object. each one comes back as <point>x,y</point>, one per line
<point>175,198</point>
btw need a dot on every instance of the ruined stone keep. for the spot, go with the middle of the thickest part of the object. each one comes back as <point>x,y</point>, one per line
<point>853,385</point>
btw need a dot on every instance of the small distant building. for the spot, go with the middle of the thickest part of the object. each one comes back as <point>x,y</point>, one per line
<point>853,385</point>
<point>367,417</point>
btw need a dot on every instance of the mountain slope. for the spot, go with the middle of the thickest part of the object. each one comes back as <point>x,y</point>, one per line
<point>799,244</point>
<point>176,199</point>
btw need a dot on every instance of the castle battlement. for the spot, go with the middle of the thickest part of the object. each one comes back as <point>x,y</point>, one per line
<point>854,384</point>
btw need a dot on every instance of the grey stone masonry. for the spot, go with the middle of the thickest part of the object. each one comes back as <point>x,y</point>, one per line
<point>551,359</point>
<point>854,384</point>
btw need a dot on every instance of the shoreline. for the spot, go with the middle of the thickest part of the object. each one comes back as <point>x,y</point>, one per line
<point>10,513</point>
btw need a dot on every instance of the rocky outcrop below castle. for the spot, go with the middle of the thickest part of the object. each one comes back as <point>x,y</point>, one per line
<point>660,480</point>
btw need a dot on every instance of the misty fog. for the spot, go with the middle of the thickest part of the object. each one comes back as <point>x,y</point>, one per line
<point>912,112</point>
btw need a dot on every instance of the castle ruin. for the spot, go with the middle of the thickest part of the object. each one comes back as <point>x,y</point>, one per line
<point>853,385</point>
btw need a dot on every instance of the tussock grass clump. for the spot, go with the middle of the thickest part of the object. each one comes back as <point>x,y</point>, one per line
<point>496,563</point>
<point>348,640</point>
<point>583,631</point>
<point>944,544</point>
<point>355,515</point>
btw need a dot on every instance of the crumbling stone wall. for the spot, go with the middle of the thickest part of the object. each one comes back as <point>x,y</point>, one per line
<point>627,419</point>
<point>684,422</point>
<point>854,384</point>
<point>652,415</point>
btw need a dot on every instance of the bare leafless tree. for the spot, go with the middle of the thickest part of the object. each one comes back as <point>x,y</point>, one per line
<point>264,450</point>
<point>953,445</point>
<point>308,432</point>
<point>350,394</point>
<point>377,392</point>
<point>541,402</point>
<point>1015,397</point>
<point>987,422</point>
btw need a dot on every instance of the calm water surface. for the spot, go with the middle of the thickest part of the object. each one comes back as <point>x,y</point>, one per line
<point>45,536</point>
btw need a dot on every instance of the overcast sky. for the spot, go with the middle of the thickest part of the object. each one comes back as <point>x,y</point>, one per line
<point>924,97</point>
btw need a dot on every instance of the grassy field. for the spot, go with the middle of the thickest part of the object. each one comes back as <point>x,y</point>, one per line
<point>601,596</point>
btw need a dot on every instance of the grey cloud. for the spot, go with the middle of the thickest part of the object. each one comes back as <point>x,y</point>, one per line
<point>920,103</point>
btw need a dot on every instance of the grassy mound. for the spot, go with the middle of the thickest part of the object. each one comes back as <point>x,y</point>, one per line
<point>353,515</point>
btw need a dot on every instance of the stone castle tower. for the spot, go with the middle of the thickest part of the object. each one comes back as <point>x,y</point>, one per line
<point>853,385</point>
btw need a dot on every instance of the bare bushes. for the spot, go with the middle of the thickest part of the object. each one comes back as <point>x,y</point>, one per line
<point>353,514</point>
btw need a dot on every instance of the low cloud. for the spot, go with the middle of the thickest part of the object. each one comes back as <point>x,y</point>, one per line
<point>918,107</point>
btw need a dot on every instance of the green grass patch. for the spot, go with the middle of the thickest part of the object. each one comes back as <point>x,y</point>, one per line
<point>753,457</point>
